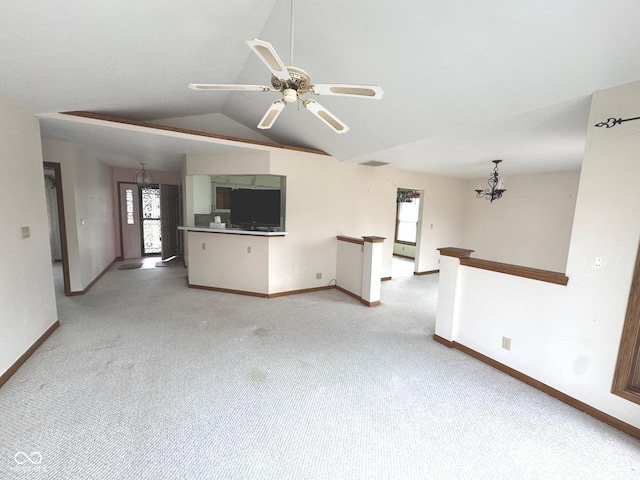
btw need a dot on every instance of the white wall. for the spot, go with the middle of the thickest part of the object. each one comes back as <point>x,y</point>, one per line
<point>26,283</point>
<point>530,225</point>
<point>568,337</point>
<point>88,207</point>
<point>326,197</point>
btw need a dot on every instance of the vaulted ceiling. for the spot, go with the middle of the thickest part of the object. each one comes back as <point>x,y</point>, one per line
<point>464,82</point>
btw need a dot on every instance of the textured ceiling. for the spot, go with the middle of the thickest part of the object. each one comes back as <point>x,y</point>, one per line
<point>464,82</point>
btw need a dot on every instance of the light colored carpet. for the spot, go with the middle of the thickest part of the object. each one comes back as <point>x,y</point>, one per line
<point>146,378</point>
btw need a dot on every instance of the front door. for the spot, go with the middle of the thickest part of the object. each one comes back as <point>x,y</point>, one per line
<point>130,220</point>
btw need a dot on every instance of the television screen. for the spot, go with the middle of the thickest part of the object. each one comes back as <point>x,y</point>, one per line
<point>258,208</point>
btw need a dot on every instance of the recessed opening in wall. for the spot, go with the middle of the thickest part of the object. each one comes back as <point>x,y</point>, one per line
<point>260,201</point>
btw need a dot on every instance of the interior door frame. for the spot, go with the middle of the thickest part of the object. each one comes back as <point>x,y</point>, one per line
<point>57,168</point>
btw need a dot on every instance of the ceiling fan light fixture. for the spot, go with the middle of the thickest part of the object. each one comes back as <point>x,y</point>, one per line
<point>290,95</point>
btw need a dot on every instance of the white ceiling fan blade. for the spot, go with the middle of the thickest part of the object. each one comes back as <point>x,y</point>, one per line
<point>228,86</point>
<point>325,115</point>
<point>271,115</point>
<point>268,55</point>
<point>346,90</point>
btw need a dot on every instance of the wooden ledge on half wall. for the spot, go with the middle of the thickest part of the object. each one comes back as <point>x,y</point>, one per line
<point>508,269</point>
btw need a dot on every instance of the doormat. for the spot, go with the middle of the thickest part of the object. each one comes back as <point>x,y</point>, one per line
<point>130,266</point>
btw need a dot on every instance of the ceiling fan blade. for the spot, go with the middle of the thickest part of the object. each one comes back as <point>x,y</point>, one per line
<point>268,55</point>
<point>325,115</point>
<point>271,115</point>
<point>227,86</point>
<point>345,90</point>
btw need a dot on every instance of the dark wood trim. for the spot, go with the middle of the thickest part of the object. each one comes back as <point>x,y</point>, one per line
<point>228,290</point>
<point>125,121</point>
<point>351,294</point>
<point>93,282</point>
<point>626,379</point>
<point>557,394</point>
<point>304,290</point>
<point>403,256</point>
<point>443,341</point>
<point>57,168</point>
<point>23,358</point>
<point>455,252</point>
<point>283,294</point>
<point>374,239</point>
<point>385,279</point>
<point>517,270</point>
<point>428,272</point>
<point>342,238</point>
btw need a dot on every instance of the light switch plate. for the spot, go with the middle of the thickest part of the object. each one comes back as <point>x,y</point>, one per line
<point>25,232</point>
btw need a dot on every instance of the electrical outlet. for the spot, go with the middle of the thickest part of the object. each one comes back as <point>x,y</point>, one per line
<point>249,249</point>
<point>319,276</point>
<point>204,246</point>
<point>597,263</point>
<point>506,343</point>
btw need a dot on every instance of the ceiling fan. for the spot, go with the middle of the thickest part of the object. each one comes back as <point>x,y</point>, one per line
<point>292,82</point>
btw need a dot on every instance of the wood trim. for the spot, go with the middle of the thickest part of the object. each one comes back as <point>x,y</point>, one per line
<point>625,378</point>
<point>374,239</point>
<point>455,252</point>
<point>557,394</point>
<point>385,279</point>
<point>403,242</point>
<point>304,290</point>
<point>93,282</point>
<point>228,290</point>
<point>125,121</point>
<point>428,272</point>
<point>23,358</point>
<point>351,294</point>
<point>370,304</point>
<point>517,270</point>
<point>403,256</point>
<point>342,238</point>
<point>222,232</point>
<point>443,341</point>
<point>57,168</point>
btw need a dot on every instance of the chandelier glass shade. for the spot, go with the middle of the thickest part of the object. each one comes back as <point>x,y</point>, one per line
<point>142,177</point>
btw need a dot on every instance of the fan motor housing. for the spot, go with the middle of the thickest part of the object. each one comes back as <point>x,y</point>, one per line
<point>300,81</point>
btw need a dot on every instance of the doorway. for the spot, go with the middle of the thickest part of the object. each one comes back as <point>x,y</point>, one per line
<point>149,218</point>
<point>407,232</point>
<point>57,226</point>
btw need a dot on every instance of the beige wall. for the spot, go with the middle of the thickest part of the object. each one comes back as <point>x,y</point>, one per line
<point>326,197</point>
<point>89,215</point>
<point>26,282</point>
<point>568,337</point>
<point>530,225</point>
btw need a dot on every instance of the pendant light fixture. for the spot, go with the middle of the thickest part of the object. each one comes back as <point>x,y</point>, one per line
<point>142,177</point>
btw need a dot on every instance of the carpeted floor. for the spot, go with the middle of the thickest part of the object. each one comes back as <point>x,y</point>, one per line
<point>146,378</point>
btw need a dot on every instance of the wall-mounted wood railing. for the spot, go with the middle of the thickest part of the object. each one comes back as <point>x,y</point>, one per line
<point>508,269</point>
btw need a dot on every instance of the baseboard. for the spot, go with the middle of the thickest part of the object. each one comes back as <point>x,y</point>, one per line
<point>385,279</point>
<point>404,256</point>
<point>262,295</point>
<point>557,394</point>
<point>93,282</point>
<point>428,272</point>
<point>358,297</point>
<point>13,368</point>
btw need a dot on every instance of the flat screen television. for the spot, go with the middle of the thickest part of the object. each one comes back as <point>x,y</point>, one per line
<point>255,208</point>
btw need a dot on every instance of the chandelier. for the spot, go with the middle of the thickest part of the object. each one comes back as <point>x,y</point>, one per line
<point>142,177</point>
<point>496,186</point>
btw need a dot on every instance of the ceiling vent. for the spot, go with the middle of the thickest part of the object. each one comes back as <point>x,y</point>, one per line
<point>374,163</point>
